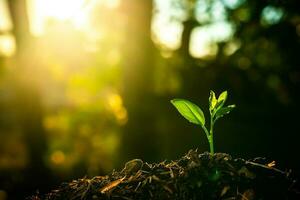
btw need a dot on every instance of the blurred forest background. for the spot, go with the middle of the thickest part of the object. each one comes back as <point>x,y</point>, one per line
<point>85,85</point>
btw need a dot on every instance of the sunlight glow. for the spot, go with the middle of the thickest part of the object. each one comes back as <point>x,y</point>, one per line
<point>201,44</point>
<point>204,39</point>
<point>7,45</point>
<point>42,11</point>
<point>166,28</point>
<point>75,12</point>
<point>213,28</point>
<point>113,3</point>
<point>5,22</point>
<point>59,9</point>
<point>115,103</point>
<point>167,34</point>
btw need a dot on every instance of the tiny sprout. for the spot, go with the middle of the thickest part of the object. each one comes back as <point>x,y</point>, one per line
<point>194,114</point>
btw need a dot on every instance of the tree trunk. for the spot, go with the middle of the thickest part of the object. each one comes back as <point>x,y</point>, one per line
<point>30,111</point>
<point>137,91</point>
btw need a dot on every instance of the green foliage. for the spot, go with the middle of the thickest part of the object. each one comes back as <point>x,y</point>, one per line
<point>194,114</point>
<point>190,111</point>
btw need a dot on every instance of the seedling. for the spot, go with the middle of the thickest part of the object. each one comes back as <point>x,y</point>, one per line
<point>194,114</point>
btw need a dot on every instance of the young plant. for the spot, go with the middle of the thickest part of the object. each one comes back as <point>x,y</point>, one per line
<point>194,114</point>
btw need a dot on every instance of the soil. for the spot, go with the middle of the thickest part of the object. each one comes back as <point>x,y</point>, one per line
<point>194,176</point>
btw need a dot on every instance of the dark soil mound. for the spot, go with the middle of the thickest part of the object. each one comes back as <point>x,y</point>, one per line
<point>194,176</point>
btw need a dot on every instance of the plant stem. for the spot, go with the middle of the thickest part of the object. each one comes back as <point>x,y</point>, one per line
<point>211,145</point>
<point>211,137</point>
<point>210,140</point>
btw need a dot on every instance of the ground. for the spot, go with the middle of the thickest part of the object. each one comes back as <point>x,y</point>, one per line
<point>194,176</point>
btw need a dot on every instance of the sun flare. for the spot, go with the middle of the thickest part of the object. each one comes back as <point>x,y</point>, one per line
<point>58,9</point>
<point>41,11</point>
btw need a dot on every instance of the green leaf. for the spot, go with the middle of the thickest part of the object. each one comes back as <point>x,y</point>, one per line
<point>212,101</point>
<point>221,100</point>
<point>190,111</point>
<point>223,96</point>
<point>224,111</point>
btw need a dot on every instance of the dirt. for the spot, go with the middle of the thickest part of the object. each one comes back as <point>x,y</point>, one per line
<point>194,176</point>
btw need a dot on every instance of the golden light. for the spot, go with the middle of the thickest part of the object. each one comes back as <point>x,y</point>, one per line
<point>115,103</point>
<point>5,22</point>
<point>7,45</point>
<point>41,11</point>
<point>59,9</point>
<point>57,157</point>
<point>112,3</point>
